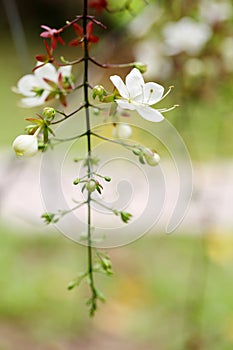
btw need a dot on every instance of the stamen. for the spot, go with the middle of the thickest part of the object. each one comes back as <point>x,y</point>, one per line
<point>168,91</point>
<point>163,110</point>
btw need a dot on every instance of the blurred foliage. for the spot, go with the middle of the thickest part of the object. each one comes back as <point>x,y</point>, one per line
<point>164,287</point>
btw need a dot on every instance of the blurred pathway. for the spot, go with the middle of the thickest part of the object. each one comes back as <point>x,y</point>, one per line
<point>212,200</point>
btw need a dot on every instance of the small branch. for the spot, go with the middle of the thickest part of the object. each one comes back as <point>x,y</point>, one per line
<point>70,138</point>
<point>113,141</point>
<point>68,23</point>
<point>111,65</point>
<point>94,20</point>
<point>67,63</point>
<point>66,116</point>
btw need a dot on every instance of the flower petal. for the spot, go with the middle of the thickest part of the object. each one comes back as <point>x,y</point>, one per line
<point>149,113</point>
<point>65,71</point>
<point>120,85</point>
<point>153,93</point>
<point>46,71</point>
<point>125,105</point>
<point>27,83</point>
<point>134,83</point>
<point>30,102</point>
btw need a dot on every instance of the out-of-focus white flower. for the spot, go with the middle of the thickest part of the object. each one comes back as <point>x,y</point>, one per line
<point>186,35</point>
<point>25,145</point>
<point>227,53</point>
<point>139,26</point>
<point>37,87</point>
<point>137,95</point>
<point>122,131</point>
<point>152,53</point>
<point>215,11</point>
<point>194,67</point>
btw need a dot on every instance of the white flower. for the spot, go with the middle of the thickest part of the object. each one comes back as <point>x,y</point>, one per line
<point>138,95</point>
<point>122,131</point>
<point>25,145</point>
<point>227,53</point>
<point>142,23</point>
<point>152,53</point>
<point>215,11</point>
<point>35,87</point>
<point>186,35</point>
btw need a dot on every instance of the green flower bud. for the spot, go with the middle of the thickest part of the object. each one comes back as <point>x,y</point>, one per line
<point>91,186</point>
<point>125,217</point>
<point>99,91</point>
<point>76,181</point>
<point>49,218</point>
<point>49,113</point>
<point>107,178</point>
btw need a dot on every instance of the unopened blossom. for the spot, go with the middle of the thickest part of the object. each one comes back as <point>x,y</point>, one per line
<point>186,35</point>
<point>137,95</point>
<point>44,84</point>
<point>215,11</point>
<point>25,145</point>
<point>122,131</point>
<point>152,158</point>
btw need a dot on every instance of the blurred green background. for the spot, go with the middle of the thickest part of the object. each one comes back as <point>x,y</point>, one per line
<point>168,292</point>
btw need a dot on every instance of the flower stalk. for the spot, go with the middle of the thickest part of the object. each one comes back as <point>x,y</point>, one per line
<point>94,296</point>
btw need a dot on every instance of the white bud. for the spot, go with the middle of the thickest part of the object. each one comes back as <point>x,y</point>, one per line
<point>25,145</point>
<point>122,131</point>
<point>152,158</point>
<point>91,186</point>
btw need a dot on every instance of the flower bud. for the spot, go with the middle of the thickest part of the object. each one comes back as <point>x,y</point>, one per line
<point>107,178</point>
<point>152,158</point>
<point>122,131</point>
<point>140,66</point>
<point>99,91</point>
<point>76,181</point>
<point>91,185</point>
<point>49,113</point>
<point>25,145</point>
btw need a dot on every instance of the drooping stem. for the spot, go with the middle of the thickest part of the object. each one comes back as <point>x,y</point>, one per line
<point>93,299</point>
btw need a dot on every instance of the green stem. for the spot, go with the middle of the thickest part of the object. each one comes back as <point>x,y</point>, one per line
<point>93,299</point>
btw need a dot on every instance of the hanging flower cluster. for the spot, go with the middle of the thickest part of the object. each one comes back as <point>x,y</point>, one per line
<point>52,80</point>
